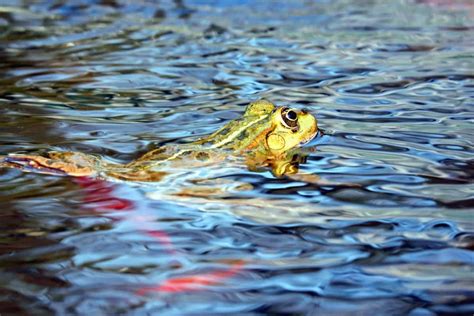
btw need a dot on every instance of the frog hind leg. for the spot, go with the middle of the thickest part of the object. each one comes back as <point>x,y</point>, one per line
<point>134,174</point>
<point>53,163</point>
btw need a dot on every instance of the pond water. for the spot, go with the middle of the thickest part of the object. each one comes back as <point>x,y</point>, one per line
<point>389,230</point>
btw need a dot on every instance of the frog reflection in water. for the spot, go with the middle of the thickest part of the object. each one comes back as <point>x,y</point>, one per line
<point>266,136</point>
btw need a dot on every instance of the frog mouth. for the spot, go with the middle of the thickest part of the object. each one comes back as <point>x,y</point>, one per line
<point>311,137</point>
<point>305,141</point>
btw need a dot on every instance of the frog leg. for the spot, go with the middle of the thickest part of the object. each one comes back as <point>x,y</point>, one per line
<point>129,174</point>
<point>213,188</point>
<point>54,163</point>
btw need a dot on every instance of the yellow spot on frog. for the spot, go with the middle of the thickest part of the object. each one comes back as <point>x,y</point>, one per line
<point>275,142</point>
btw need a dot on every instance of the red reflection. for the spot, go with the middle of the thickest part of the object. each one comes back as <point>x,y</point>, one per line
<point>99,197</point>
<point>193,282</point>
<point>163,238</point>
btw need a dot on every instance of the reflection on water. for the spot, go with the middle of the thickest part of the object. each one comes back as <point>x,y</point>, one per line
<point>387,227</point>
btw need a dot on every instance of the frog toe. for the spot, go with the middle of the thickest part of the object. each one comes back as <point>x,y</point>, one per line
<point>30,164</point>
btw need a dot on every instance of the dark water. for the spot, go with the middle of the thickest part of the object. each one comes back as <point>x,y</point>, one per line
<point>391,83</point>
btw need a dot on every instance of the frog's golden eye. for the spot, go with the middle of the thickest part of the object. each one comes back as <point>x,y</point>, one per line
<point>289,119</point>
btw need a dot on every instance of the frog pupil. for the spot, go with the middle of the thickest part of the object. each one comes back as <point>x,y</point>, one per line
<point>291,115</point>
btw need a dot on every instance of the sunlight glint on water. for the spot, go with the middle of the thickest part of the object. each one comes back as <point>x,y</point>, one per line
<point>390,229</point>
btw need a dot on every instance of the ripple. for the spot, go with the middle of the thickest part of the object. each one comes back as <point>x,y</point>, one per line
<point>378,219</point>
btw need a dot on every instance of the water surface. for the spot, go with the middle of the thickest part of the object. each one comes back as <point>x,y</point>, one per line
<point>391,83</point>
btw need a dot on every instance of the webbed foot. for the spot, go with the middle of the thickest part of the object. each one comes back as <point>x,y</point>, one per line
<point>56,163</point>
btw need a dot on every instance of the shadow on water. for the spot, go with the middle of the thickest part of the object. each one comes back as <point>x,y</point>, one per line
<point>388,226</point>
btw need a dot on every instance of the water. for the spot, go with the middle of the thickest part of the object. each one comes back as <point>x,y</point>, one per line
<point>390,82</point>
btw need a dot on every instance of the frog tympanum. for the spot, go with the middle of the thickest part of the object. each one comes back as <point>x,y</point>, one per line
<point>266,136</point>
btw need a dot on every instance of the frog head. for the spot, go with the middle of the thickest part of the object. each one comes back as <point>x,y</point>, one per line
<point>291,128</point>
<point>275,130</point>
<point>266,129</point>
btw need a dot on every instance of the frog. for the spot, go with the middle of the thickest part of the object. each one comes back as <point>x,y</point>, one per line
<point>265,137</point>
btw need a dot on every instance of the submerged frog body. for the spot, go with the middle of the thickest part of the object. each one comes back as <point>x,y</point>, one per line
<point>266,136</point>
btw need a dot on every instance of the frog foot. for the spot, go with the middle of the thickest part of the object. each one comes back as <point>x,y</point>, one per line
<point>59,164</point>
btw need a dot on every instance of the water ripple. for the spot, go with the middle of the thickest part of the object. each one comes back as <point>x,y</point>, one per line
<point>380,217</point>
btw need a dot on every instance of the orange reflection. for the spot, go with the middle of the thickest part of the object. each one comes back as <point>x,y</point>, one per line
<point>193,282</point>
<point>99,197</point>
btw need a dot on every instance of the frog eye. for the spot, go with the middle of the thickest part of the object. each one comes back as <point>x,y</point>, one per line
<point>289,119</point>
